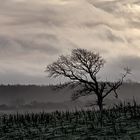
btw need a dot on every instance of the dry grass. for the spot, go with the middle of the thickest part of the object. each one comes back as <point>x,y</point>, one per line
<point>119,123</point>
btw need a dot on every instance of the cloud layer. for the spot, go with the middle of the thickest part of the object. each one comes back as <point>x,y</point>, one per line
<point>33,33</point>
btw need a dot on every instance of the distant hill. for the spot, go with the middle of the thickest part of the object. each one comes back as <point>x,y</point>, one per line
<point>28,93</point>
<point>10,93</point>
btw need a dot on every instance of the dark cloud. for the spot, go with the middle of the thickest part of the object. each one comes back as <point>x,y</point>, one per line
<point>21,78</point>
<point>47,36</point>
<point>109,35</point>
<point>46,18</point>
<point>24,45</point>
<point>28,13</point>
<point>8,45</point>
<point>134,24</point>
<point>121,9</point>
<point>108,6</point>
<point>96,24</point>
<point>50,47</point>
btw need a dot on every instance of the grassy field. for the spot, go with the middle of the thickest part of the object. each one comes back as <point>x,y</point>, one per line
<point>119,123</point>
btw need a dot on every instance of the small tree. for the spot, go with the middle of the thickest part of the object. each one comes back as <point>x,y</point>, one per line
<point>82,67</point>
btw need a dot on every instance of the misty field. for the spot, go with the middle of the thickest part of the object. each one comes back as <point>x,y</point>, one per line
<point>121,122</point>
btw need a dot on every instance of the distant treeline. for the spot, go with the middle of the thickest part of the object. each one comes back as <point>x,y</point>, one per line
<point>50,93</point>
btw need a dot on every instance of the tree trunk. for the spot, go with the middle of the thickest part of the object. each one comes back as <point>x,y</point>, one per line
<point>100,105</point>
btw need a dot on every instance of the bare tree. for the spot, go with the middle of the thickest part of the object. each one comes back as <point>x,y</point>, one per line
<point>82,67</point>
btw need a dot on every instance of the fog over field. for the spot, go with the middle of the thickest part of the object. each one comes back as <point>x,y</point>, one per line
<point>48,97</point>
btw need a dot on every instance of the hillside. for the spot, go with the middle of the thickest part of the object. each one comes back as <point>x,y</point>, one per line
<point>28,93</point>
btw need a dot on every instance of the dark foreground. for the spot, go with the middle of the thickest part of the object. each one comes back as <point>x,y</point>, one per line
<point>119,123</point>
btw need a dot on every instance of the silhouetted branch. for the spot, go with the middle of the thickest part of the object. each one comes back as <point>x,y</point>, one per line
<point>82,67</point>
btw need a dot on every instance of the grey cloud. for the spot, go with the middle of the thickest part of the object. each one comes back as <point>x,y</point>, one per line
<point>8,45</point>
<point>49,48</point>
<point>114,38</point>
<point>31,34</point>
<point>137,2</point>
<point>23,14</point>
<point>134,24</point>
<point>115,68</point>
<point>95,24</point>
<point>24,45</point>
<point>21,78</point>
<point>115,7</point>
<point>47,36</point>
<point>45,19</point>
<point>109,35</point>
<point>108,6</point>
<point>121,9</point>
<point>131,61</point>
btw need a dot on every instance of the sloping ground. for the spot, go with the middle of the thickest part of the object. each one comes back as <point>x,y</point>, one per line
<point>120,123</point>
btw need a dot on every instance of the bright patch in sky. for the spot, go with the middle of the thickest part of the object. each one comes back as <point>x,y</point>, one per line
<point>134,8</point>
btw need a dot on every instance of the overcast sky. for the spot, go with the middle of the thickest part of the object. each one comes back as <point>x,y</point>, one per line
<point>33,33</point>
